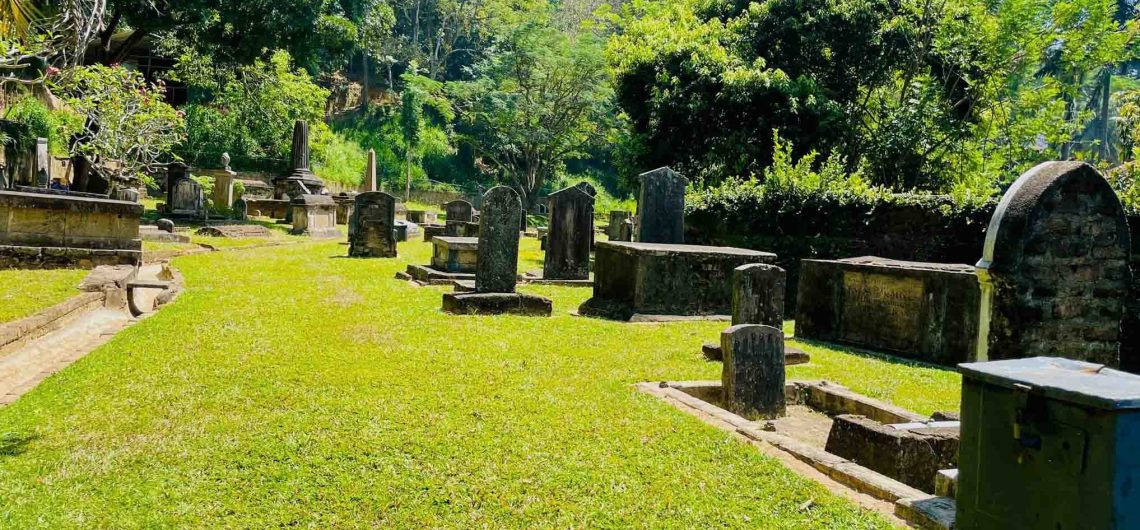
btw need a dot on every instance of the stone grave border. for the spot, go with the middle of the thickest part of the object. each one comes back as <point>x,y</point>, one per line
<point>895,499</point>
<point>16,333</point>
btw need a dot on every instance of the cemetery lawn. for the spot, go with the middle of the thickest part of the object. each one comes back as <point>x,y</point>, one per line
<point>289,386</point>
<point>24,293</point>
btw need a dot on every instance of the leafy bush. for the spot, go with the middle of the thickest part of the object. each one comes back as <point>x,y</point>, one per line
<point>55,125</point>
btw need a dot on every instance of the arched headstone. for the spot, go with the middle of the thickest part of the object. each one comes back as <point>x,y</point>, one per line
<point>460,210</point>
<point>1055,268</point>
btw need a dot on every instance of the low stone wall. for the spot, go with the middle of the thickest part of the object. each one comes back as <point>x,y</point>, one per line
<point>41,230</point>
<point>14,334</point>
<point>926,311</point>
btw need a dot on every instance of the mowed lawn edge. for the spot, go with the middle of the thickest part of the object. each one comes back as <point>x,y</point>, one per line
<point>289,386</point>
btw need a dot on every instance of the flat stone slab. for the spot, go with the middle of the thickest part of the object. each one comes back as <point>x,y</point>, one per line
<point>235,231</point>
<point>497,304</point>
<point>536,278</point>
<point>150,233</point>
<point>464,286</point>
<point>792,354</point>
<point>431,275</point>
<point>456,243</point>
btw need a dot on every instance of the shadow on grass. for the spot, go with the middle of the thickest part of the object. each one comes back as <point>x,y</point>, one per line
<point>15,444</point>
<point>872,354</point>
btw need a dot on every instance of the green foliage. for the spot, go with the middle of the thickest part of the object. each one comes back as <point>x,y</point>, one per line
<point>130,129</point>
<point>342,161</point>
<point>950,97</point>
<point>55,125</point>
<point>535,102</point>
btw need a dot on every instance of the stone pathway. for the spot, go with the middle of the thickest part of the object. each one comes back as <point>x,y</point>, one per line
<point>23,369</point>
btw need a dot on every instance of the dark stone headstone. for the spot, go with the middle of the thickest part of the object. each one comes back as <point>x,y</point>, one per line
<point>184,197</point>
<point>758,295</point>
<point>43,163</point>
<point>460,210</point>
<point>570,233</point>
<point>374,226</point>
<point>621,226</point>
<point>497,269</point>
<point>166,225</point>
<point>461,229</point>
<point>753,373</point>
<point>661,207</point>
<point>240,210</point>
<point>1055,271</point>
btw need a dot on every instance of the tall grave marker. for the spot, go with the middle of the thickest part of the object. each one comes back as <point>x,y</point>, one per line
<point>496,272</point>
<point>570,234</point>
<point>1055,271</point>
<point>661,207</point>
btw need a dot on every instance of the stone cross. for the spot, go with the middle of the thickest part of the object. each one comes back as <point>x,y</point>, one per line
<point>753,373</point>
<point>571,231</point>
<point>1054,272</point>
<point>370,172</point>
<point>373,223</point>
<point>758,295</point>
<point>300,152</point>
<point>461,210</point>
<point>497,268</point>
<point>661,207</point>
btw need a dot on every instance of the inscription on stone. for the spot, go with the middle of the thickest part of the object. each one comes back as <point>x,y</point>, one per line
<point>883,309</point>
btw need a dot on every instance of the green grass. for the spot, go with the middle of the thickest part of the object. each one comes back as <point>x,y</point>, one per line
<point>289,386</point>
<point>24,293</point>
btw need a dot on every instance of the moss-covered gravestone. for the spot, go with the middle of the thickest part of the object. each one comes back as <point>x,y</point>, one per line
<point>373,225</point>
<point>621,226</point>
<point>570,235</point>
<point>758,295</point>
<point>1055,271</point>
<point>753,373</point>
<point>661,207</point>
<point>460,210</point>
<point>496,273</point>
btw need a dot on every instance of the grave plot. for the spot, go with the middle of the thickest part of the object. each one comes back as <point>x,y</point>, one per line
<point>922,311</point>
<point>497,263</point>
<point>235,231</point>
<point>662,282</point>
<point>453,258</point>
<point>758,298</point>
<point>868,445</point>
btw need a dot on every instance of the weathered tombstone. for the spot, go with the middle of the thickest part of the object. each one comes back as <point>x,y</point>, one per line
<point>300,180</point>
<point>1055,271</point>
<point>753,373</point>
<point>621,226</point>
<point>497,270</point>
<point>496,273</point>
<point>184,197</point>
<point>370,172</point>
<point>422,217</point>
<point>461,210</point>
<point>661,207</point>
<point>165,225</point>
<point>43,163</point>
<point>314,216</point>
<point>570,233</point>
<point>374,223</point>
<point>758,295</point>
<point>241,210</point>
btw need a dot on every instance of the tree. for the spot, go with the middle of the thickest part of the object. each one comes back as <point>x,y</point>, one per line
<point>34,41</point>
<point>420,94</point>
<point>130,130</point>
<point>536,101</point>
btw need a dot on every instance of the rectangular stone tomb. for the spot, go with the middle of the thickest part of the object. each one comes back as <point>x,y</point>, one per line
<point>272,208</point>
<point>314,216</point>
<point>60,231</point>
<point>432,231</point>
<point>664,279</point>
<point>455,254</point>
<point>924,311</point>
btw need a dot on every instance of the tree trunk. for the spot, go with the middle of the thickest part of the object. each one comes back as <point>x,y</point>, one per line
<point>408,172</point>
<point>364,64</point>
<point>1105,98</point>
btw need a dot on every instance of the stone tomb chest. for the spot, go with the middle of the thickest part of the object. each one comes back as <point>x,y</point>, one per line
<point>455,254</point>
<point>314,216</point>
<point>664,279</point>
<point>925,311</point>
<point>45,230</point>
